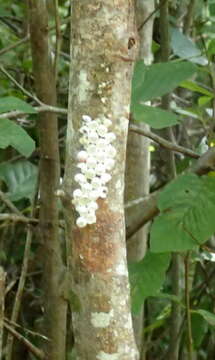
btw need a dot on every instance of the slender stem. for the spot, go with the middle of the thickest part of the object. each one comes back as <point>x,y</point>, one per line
<point>39,109</point>
<point>152,14</point>
<point>2,297</point>
<point>32,348</point>
<point>13,46</point>
<point>26,92</point>
<point>21,284</point>
<point>187,304</point>
<point>58,37</point>
<point>9,204</point>
<point>188,20</point>
<point>163,142</point>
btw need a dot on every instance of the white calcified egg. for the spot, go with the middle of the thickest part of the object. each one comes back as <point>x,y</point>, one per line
<point>81,222</point>
<point>111,151</point>
<point>77,193</point>
<point>96,158</point>
<point>86,118</point>
<point>80,178</point>
<point>110,137</point>
<point>109,163</point>
<point>102,130</point>
<point>105,178</point>
<point>91,162</point>
<point>82,156</point>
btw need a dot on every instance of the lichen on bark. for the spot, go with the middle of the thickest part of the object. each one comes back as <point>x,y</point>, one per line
<point>100,51</point>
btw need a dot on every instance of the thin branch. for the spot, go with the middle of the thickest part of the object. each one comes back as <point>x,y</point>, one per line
<point>13,46</point>
<point>150,211</point>
<point>188,20</point>
<point>2,297</point>
<point>21,284</point>
<point>164,143</point>
<point>39,109</point>
<point>33,333</point>
<point>32,348</point>
<point>16,218</point>
<point>152,13</point>
<point>9,204</point>
<point>187,303</point>
<point>26,92</point>
<point>58,37</point>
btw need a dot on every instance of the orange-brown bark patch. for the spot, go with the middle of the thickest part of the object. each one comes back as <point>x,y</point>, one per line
<point>95,247</point>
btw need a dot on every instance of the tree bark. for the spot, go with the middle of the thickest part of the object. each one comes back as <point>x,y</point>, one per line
<point>55,306</point>
<point>2,293</point>
<point>138,160</point>
<point>104,46</point>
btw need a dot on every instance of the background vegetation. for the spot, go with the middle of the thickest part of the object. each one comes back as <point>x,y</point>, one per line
<point>175,96</point>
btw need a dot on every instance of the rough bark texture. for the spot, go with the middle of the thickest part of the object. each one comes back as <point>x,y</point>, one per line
<point>138,159</point>
<point>54,305</point>
<point>104,45</point>
<point>2,290</point>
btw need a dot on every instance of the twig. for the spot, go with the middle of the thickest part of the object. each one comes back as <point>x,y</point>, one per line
<point>152,13</point>
<point>58,37</point>
<point>21,284</point>
<point>150,211</point>
<point>9,204</point>
<point>187,303</point>
<point>164,143</point>
<point>32,348</point>
<point>26,92</point>
<point>188,20</point>
<point>26,330</point>
<point>2,297</point>
<point>39,109</point>
<point>13,46</point>
<point>135,202</point>
<point>16,218</point>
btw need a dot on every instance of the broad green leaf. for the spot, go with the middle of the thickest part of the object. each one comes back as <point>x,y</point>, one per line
<point>155,117</point>
<point>10,103</point>
<point>20,178</point>
<point>186,220</point>
<point>207,315</point>
<point>185,48</point>
<point>14,135</point>
<point>211,48</point>
<point>203,100</point>
<point>147,277</point>
<point>199,329</point>
<point>150,82</point>
<point>191,85</point>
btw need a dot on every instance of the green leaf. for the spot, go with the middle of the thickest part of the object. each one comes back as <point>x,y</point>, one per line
<point>191,85</point>
<point>207,315</point>
<point>147,277</point>
<point>14,135</point>
<point>10,103</point>
<point>155,117</point>
<point>186,220</point>
<point>21,179</point>
<point>159,79</point>
<point>203,100</point>
<point>211,48</point>
<point>185,48</point>
<point>199,329</point>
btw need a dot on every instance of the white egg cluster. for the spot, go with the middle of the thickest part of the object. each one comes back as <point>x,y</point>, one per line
<point>94,163</point>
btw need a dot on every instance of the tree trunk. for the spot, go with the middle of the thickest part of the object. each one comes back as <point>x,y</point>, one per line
<point>54,305</point>
<point>104,46</point>
<point>138,160</point>
<point>2,293</point>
